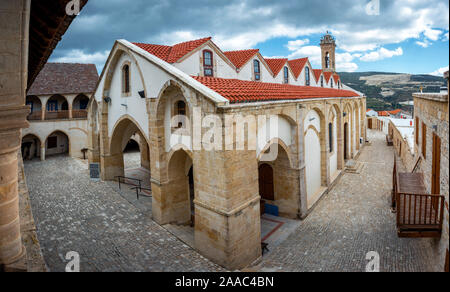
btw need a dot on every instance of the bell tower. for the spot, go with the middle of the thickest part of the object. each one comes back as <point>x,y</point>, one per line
<point>328,46</point>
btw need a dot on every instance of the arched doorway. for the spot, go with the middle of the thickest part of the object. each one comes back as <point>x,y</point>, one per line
<point>315,154</point>
<point>278,185</point>
<point>181,191</point>
<point>31,147</point>
<point>126,157</point>
<point>57,143</point>
<point>346,140</point>
<point>266,187</point>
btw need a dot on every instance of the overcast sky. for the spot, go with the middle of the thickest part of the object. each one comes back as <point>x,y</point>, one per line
<point>408,36</point>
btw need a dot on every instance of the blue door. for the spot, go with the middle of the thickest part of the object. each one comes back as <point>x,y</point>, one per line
<point>52,106</point>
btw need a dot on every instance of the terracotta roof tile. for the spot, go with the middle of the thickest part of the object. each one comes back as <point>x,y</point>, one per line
<point>171,54</point>
<point>297,66</point>
<point>317,73</point>
<point>276,65</point>
<point>336,77</point>
<point>327,76</point>
<point>240,58</point>
<point>63,78</point>
<point>395,112</point>
<point>238,91</point>
<point>383,114</point>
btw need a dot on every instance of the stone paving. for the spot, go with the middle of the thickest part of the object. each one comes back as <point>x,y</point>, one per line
<point>350,221</point>
<point>73,213</point>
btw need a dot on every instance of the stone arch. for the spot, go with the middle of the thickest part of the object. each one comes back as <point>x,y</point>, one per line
<point>348,129</point>
<point>315,156</point>
<point>356,112</point>
<point>31,146</point>
<point>63,143</point>
<point>281,144</point>
<point>57,107</point>
<point>171,93</point>
<point>124,128</point>
<point>112,64</point>
<point>178,199</point>
<point>285,187</point>
<point>335,151</point>
<point>36,107</point>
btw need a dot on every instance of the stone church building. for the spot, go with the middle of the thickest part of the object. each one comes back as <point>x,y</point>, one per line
<point>212,121</point>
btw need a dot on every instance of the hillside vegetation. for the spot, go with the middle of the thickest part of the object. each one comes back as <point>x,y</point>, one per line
<point>385,91</point>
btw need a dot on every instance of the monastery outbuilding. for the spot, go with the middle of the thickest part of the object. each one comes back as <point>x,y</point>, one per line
<point>227,133</point>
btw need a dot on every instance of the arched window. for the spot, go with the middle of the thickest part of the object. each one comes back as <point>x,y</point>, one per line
<point>332,85</point>
<point>208,67</point>
<point>330,136</point>
<point>180,110</point>
<point>327,60</point>
<point>126,79</point>
<point>307,76</point>
<point>257,70</point>
<point>321,80</point>
<point>339,84</point>
<point>286,75</point>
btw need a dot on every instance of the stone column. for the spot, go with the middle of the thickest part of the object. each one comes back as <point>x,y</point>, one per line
<point>43,152</point>
<point>13,114</point>
<point>227,207</point>
<point>70,111</point>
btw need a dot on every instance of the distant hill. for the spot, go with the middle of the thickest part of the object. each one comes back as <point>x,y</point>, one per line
<point>385,91</point>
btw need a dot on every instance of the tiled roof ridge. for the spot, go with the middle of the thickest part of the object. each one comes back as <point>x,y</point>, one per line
<point>237,91</point>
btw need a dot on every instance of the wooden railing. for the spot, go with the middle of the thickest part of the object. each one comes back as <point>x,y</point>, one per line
<point>35,116</point>
<point>420,212</point>
<point>418,215</point>
<point>57,115</point>
<point>79,114</point>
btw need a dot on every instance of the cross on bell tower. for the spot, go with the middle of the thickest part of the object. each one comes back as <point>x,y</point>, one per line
<point>328,46</point>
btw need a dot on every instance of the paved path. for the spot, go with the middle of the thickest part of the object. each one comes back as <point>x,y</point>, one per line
<point>352,220</point>
<point>109,232</point>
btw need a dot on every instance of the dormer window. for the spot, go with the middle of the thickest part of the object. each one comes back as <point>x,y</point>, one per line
<point>126,79</point>
<point>208,67</point>
<point>286,75</point>
<point>331,82</point>
<point>307,76</point>
<point>321,81</point>
<point>257,70</point>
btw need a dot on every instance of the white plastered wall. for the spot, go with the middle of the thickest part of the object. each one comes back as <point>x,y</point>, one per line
<point>312,157</point>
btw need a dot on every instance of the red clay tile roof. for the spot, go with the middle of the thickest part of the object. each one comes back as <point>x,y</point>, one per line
<point>395,112</point>
<point>238,91</point>
<point>336,77</point>
<point>297,66</point>
<point>327,76</point>
<point>171,54</point>
<point>240,58</point>
<point>276,65</point>
<point>317,73</point>
<point>383,114</point>
<point>63,78</point>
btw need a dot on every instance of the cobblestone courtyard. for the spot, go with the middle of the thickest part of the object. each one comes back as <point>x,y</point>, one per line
<point>113,233</point>
<point>73,213</point>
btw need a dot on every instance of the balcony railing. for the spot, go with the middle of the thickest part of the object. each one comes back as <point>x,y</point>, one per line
<point>35,116</point>
<point>56,115</point>
<point>79,114</point>
<point>418,214</point>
